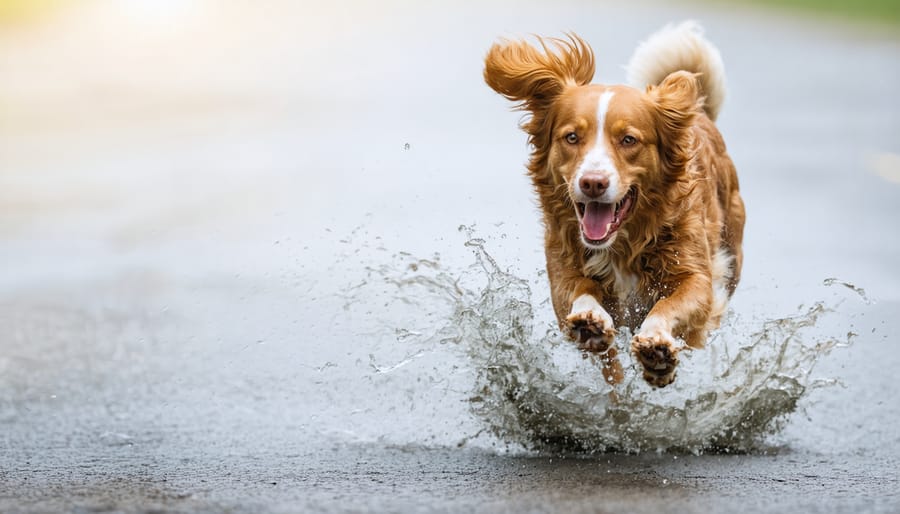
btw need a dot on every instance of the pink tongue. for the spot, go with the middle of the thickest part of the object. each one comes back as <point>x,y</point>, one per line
<point>596,221</point>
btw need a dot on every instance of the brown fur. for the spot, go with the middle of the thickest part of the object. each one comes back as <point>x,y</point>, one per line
<point>687,207</point>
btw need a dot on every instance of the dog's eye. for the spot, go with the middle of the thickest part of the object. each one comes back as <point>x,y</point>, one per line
<point>572,138</point>
<point>629,140</point>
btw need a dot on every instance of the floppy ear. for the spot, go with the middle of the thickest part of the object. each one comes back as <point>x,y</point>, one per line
<point>678,101</point>
<point>535,77</point>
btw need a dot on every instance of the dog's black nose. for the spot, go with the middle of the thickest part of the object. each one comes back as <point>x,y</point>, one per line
<point>593,184</point>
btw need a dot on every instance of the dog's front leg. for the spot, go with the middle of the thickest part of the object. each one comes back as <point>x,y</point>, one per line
<point>582,318</point>
<point>683,314</point>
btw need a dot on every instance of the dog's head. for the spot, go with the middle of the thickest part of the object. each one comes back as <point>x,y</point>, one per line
<point>614,148</point>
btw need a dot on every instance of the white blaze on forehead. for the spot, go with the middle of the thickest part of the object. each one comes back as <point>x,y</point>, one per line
<point>598,159</point>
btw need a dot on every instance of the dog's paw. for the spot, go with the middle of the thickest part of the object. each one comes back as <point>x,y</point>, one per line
<point>591,329</point>
<point>656,350</point>
<point>594,333</point>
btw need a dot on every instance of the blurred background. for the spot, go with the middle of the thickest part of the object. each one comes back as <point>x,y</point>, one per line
<point>150,133</point>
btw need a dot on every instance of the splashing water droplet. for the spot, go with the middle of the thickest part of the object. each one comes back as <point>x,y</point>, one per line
<point>858,290</point>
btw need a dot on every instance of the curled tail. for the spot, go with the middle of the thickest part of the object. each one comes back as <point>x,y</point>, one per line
<point>675,48</point>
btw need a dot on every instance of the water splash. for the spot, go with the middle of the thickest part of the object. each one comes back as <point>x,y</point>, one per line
<point>533,388</point>
<point>856,289</point>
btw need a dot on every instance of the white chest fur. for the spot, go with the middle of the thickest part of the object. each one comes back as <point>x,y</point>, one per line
<point>600,266</point>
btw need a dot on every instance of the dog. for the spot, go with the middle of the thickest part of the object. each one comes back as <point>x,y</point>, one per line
<point>643,216</point>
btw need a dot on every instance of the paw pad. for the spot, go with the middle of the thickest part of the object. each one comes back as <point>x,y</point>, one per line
<point>659,360</point>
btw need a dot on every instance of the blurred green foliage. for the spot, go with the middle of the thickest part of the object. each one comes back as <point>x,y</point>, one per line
<point>885,11</point>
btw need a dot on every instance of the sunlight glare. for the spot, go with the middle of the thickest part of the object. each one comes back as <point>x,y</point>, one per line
<point>154,12</point>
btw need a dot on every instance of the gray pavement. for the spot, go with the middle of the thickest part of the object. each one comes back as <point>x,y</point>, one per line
<point>206,210</point>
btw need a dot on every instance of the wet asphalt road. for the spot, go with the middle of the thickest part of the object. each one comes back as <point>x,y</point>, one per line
<point>354,479</point>
<point>191,193</point>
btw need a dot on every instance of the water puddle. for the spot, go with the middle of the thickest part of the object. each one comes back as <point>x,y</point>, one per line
<point>530,387</point>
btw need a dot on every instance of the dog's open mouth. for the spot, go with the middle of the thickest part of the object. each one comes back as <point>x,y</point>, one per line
<point>600,221</point>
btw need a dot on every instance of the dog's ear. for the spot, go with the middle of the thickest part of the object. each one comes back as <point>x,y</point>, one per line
<point>535,77</point>
<point>678,100</point>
